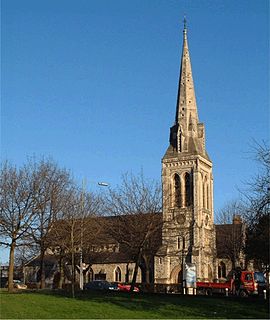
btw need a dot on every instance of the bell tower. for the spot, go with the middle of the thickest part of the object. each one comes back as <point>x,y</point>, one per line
<point>188,234</point>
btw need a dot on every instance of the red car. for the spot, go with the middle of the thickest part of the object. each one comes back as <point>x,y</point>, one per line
<point>126,287</point>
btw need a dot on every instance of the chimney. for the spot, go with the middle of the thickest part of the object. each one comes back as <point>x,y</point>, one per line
<point>237,219</point>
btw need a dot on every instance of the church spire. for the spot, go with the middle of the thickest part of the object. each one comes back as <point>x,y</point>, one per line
<point>186,100</point>
<point>187,134</point>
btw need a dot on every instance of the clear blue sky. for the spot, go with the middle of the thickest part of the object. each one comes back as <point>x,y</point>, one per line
<point>93,83</point>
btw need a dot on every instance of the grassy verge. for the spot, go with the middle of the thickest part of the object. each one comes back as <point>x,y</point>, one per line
<point>53,305</point>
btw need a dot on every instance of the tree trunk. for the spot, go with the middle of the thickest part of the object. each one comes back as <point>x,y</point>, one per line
<point>72,262</point>
<point>147,275</point>
<point>61,272</point>
<point>11,266</point>
<point>42,268</point>
<point>134,278</point>
<point>147,269</point>
<point>73,274</point>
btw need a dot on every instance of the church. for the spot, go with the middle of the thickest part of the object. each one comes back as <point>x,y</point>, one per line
<point>187,232</point>
<point>187,183</point>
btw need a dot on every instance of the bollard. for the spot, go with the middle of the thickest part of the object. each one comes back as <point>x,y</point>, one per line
<point>264,294</point>
<point>227,292</point>
<point>194,291</point>
<point>184,290</point>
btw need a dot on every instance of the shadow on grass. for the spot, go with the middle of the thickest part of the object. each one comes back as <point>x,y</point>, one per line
<point>170,306</point>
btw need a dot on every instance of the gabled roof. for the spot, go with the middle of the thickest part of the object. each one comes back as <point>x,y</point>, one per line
<point>103,246</point>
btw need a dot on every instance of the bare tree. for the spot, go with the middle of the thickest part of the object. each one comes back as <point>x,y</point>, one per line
<point>71,234</point>
<point>257,248</point>
<point>33,199</point>
<point>136,205</point>
<point>25,252</point>
<point>231,209</point>
<point>16,215</point>
<point>75,231</point>
<point>257,199</point>
<point>257,190</point>
<point>51,185</point>
<point>231,232</point>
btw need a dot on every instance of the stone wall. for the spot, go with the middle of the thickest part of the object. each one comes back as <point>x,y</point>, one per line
<point>110,268</point>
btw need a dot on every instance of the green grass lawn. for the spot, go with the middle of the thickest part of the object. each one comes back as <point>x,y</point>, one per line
<point>53,305</point>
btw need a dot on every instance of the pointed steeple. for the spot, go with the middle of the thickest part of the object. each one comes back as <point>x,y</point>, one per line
<point>187,134</point>
<point>186,100</point>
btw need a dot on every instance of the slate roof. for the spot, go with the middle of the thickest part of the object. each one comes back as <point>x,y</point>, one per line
<point>121,253</point>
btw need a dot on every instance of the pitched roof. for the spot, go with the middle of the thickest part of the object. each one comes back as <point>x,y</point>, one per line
<point>101,236</point>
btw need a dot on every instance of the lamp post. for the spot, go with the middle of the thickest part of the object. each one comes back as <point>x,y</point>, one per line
<point>102,184</point>
<point>183,264</point>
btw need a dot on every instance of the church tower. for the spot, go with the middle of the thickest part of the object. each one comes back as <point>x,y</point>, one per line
<point>188,234</point>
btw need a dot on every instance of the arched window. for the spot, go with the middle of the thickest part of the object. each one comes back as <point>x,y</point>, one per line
<point>117,274</point>
<point>222,270</point>
<point>188,190</point>
<point>177,191</point>
<point>207,197</point>
<point>219,271</point>
<point>180,277</point>
<point>184,243</point>
<point>178,243</point>
<point>203,195</point>
<point>204,188</point>
<point>90,275</point>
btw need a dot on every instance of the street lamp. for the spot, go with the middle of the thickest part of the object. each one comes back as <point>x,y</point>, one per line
<point>102,184</point>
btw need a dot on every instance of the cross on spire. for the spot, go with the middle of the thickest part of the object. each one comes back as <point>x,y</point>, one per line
<point>185,23</point>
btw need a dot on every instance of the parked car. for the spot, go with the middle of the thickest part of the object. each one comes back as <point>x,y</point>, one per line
<point>126,287</point>
<point>102,285</point>
<point>3,282</point>
<point>114,286</point>
<point>18,284</point>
